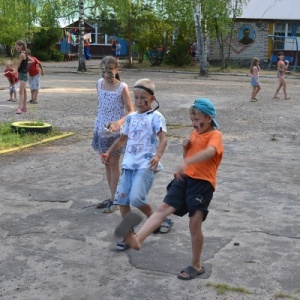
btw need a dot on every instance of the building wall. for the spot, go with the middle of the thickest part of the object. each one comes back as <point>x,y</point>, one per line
<point>241,53</point>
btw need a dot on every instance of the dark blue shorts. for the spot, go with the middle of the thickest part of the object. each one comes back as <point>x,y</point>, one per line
<point>189,195</point>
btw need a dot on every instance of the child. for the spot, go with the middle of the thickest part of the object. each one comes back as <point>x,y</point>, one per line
<point>22,75</point>
<point>35,69</point>
<point>192,189</point>
<point>142,154</point>
<point>254,70</point>
<point>282,69</point>
<point>113,98</point>
<point>12,76</point>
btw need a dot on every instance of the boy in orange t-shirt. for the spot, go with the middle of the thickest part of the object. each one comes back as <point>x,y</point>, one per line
<point>192,189</point>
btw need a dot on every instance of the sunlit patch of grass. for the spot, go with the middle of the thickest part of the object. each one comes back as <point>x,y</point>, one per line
<point>281,295</point>
<point>222,288</point>
<point>10,139</point>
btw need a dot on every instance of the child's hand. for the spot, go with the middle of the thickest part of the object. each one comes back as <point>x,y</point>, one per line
<point>154,163</point>
<point>105,158</point>
<point>179,172</point>
<point>185,142</point>
<point>113,126</point>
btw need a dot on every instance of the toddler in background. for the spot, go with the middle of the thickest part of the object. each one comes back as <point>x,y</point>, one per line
<point>12,76</point>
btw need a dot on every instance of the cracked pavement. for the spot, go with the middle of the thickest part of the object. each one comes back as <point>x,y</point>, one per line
<point>54,243</point>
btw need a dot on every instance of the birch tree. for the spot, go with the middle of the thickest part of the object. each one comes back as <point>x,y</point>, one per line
<point>81,58</point>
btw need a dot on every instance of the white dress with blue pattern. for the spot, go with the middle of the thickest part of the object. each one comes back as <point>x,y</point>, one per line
<point>111,107</point>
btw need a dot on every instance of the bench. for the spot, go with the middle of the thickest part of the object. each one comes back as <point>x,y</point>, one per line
<point>274,58</point>
<point>155,57</point>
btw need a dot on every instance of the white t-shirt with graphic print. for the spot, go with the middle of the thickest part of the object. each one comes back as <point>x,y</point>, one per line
<point>142,142</point>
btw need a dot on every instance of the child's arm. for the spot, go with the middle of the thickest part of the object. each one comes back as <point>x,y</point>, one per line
<point>255,72</point>
<point>163,141</point>
<point>129,107</point>
<point>207,153</point>
<point>42,69</point>
<point>119,143</point>
<point>185,144</point>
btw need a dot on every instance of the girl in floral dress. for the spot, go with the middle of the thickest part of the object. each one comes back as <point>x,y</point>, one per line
<point>113,99</point>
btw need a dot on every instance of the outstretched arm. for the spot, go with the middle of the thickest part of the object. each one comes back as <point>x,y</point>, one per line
<point>163,141</point>
<point>129,107</point>
<point>119,143</point>
<point>203,155</point>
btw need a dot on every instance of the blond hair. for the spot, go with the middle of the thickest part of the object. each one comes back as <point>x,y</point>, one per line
<point>147,83</point>
<point>9,63</point>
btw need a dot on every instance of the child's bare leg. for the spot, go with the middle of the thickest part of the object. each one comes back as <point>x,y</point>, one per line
<point>258,88</point>
<point>284,91</point>
<point>35,95</point>
<point>146,210</point>
<point>25,99</point>
<point>124,210</point>
<point>22,94</point>
<point>152,223</point>
<point>277,91</point>
<point>113,174</point>
<point>253,92</point>
<point>197,240</point>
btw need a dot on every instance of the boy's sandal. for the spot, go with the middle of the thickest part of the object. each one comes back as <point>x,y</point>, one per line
<point>122,246</point>
<point>166,225</point>
<point>110,209</point>
<point>191,272</point>
<point>104,204</point>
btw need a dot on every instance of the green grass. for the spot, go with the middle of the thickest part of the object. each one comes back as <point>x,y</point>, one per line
<point>285,296</point>
<point>222,288</point>
<point>9,139</point>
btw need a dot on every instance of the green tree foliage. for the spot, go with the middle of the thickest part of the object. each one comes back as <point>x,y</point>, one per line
<point>16,21</point>
<point>220,16</point>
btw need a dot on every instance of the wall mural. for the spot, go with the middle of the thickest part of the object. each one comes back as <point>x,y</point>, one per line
<point>246,35</point>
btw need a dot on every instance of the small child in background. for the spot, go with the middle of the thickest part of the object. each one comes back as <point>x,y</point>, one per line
<point>254,70</point>
<point>12,76</point>
<point>35,69</point>
<point>282,69</point>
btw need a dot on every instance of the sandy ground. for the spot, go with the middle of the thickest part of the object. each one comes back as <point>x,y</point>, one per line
<point>56,245</point>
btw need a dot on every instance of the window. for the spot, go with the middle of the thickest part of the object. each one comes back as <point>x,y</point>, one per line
<point>280,31</point>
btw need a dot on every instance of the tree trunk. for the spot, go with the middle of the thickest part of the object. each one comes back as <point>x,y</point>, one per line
<point>81,58</point>
<point>200,41</point>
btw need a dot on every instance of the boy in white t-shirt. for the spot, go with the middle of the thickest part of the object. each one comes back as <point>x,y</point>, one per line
<point>142,155</point>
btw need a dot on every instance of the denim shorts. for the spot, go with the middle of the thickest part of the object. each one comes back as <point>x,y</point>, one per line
<point>133,187</point>
<point>189,195</point>
<point>23,76</point>
<point>34,82</point>
<point>254,82</point>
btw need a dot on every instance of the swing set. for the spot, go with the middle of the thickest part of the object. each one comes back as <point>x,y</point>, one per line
<point>286,44</point>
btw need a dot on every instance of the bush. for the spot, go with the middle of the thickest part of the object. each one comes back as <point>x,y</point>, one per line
<point>178,54</point>
<point>44,44</point>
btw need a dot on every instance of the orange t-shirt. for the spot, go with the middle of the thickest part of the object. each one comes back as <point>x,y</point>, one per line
<point>205,170</point>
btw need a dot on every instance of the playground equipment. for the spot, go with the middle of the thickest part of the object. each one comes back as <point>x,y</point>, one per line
<point>286,44</point>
